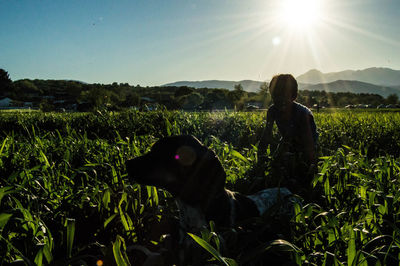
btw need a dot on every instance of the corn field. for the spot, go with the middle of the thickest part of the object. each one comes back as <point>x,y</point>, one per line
<point>66,199</point>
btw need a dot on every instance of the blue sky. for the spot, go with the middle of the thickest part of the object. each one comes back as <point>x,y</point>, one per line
<point>150,42</point>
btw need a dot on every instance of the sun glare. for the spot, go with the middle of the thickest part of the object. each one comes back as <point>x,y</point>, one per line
<point>301,14</point>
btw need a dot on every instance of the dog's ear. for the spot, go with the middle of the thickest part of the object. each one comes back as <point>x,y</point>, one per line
<point>205,181</point>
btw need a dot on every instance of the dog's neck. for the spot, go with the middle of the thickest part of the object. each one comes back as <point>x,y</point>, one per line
<point>194,218</point>
<point>191,218</point>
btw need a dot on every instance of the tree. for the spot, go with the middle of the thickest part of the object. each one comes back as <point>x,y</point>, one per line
<point>46,106</point>
<point>392,99</point>
<point>237,94</point>
<point>182,91</point>
<point>309,101</point>
<point>96,97</point>
<point>24,90</point>
<point>132,99</point>
<point>264,96</point>
<point>263,89</point>
<point>74,89</point>
<point>5,81</point>
<point>191,101</point>
<point>238,87</point>
<point>217,98</point>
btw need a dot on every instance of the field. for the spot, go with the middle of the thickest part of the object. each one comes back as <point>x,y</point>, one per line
<point>65,197</point>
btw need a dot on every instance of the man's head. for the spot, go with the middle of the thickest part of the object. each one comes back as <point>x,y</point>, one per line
<point>283,89</point>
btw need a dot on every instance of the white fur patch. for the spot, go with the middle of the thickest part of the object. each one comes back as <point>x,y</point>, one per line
<point>267,198</point>
<point>190,217</point>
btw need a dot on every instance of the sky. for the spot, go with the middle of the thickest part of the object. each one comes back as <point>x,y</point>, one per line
<point>149,42</point>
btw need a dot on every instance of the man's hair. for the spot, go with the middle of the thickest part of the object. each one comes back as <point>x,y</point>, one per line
<point>283,83</point>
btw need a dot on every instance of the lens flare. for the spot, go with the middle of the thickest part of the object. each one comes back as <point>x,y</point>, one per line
<point>276,41</point>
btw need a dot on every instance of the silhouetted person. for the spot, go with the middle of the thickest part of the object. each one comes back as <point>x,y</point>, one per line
<point>295,153</point>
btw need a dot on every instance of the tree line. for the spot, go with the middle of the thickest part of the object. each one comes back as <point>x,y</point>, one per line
<point>50,95</point>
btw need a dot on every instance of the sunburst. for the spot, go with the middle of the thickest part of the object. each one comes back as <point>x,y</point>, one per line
<point>301,15</point>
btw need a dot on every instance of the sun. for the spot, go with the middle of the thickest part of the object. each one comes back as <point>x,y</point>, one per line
<point>300,14</point>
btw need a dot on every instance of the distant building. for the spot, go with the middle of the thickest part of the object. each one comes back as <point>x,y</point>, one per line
<point>28,104</point>
<point>254,105</point>
<point>5,102</point>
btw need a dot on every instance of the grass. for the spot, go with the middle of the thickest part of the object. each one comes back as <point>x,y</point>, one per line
<point>65,197</point>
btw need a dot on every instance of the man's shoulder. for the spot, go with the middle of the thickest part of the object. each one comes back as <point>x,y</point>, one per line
<point>302,109</point>
<point>272,109</point>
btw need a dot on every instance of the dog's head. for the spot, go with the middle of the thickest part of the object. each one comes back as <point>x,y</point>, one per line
<point>183,166</point>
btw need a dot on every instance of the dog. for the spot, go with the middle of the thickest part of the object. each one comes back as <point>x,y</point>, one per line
<point>194,176</point>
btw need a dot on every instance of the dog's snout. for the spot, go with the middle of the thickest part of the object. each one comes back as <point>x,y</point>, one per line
<point>133,166</point>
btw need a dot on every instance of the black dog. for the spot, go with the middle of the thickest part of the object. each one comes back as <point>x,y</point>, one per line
<point>193,174</point>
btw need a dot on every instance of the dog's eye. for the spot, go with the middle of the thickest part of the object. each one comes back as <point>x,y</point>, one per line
<point>185,155</point>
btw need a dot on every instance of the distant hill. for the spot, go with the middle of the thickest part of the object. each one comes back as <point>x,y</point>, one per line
<point>335,86</point>
<point>382,81</point>
<point>248,85</point>
<point>395,87</point>
<point>77,81</point>
<point>377,76</point>
<point>354,87</point>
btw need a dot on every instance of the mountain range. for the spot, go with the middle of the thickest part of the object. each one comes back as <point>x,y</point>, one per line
<point>248,85</point>
<point>373,75</point>
<point>352,86</point>
<point>382,81</point>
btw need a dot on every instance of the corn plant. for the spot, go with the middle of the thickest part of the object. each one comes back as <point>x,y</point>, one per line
<point>66,198</point>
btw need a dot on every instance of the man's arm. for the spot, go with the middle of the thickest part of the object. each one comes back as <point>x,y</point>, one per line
<point>309,145</point>
<point>266,137</point>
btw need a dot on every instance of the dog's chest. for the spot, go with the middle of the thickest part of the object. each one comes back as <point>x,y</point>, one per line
<point>190,217</point>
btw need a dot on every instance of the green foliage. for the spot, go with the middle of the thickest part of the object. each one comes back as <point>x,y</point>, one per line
<point>65,196</point>
<point>68,94</point>
<point>190,101</point>
<point>264,96</point>
<point>392,99</point>
<point>210,249</point>
<point>5,81</point>
<point>46,106</point>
